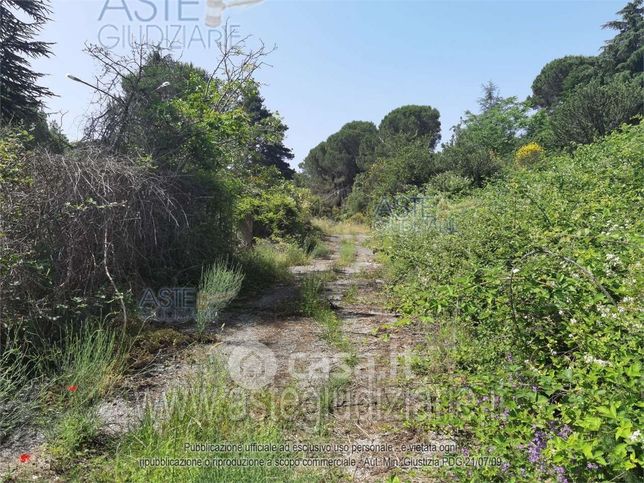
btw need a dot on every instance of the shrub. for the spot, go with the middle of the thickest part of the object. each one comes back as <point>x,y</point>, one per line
<point>528,154</point>
<point>541,283</point>
<point>219,285</point>
<point>594,110</point>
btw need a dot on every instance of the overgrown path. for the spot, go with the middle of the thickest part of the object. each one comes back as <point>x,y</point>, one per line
<point>340,380</point>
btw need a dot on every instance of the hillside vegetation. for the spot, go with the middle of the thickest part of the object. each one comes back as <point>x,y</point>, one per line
<point>535,299</point>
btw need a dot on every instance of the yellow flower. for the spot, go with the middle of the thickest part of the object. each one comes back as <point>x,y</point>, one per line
<point>529,153</point>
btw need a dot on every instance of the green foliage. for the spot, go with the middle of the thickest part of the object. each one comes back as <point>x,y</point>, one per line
<point>400,165</point>
<point>330,168</point>
<point>594,110</point>
<point>541,283</point>
<point>269,206</point>
<point>21,96</point>
<point>268,131</point>
<point>413,122</point>
<point>625,51</point>
<point>313,303</point>
<point>219,285</point>
<point>72,437</point>
<point>347,254</point>
<point>268,263</point>
<point>18,385</point>
<point>562,76</point>
<point>482,142</point>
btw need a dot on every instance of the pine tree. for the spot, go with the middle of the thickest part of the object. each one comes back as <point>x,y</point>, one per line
<point>20,95</point>
<point>625,52</point>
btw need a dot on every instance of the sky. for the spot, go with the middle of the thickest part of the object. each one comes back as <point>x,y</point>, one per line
<point>337,61</point>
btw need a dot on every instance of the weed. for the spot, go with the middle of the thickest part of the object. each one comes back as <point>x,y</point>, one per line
<point>347,254</point>
<point>219,285</point>
<point>203,410</point>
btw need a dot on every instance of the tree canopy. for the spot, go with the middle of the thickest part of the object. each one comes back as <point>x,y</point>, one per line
<point>20,94</point>
<point>413,122</point>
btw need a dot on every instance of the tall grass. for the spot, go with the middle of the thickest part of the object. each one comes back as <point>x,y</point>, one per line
<point>91,358</point>
<point>203,410</point>
<point>348,252</point>
<point>219,285</point>
<point>268,263</point>
<point>331,227</point>
<point>314,304</point>
<point>18,381</point>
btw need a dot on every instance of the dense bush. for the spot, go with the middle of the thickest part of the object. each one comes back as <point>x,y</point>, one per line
<point>594,110</point>
<point>537,293</point>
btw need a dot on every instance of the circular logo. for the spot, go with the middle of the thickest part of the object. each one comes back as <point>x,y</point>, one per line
<point>252,365</point>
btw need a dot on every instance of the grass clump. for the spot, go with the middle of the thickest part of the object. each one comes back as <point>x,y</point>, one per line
<point>91,360</point>
<point>351,295</point>
<point>314,304</point>
<point>219,285</point>
<point>204,410</point>
<point>320,250</point>
<point>18,386</point>
<point>347,253</point>
<point>268,263</point>
<point>331,227</point>
<point>327,398</point>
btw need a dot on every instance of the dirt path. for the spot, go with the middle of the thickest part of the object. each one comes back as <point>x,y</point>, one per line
<point>267,344</point>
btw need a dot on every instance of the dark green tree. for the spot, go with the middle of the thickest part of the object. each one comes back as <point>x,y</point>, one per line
<point>20,22</point>
<point>595,110</point>
<point>331,167</point>
<point>560,77</point>
<point>413,122</point>
<point>625,52</point>
<point>269,148</point>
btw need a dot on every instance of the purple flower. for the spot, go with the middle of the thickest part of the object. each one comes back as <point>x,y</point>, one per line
<point>561,474</point>
<point>565,431</point>
<point>536,446</point>
<point>535,388</point>
<point>505,466</point>
<point>592,466</point>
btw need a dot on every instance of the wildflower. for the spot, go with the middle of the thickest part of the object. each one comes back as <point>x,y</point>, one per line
<point>515,270</point>
<point>25,457</point>
<point>565,431</point>
<point>561,474</point>
<point>505,466</point>
<point>591,466</point>
<point>531,152</point>
<point>635,436</point>
<point>588,359</point>
<point>72,388</point>
<point>537,445</point>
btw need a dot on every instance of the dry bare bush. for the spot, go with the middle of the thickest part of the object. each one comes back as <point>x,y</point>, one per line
<point>83,221</point>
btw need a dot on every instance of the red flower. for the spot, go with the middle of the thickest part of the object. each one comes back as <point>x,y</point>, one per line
<point>72,388</point>
<point>25,457</point>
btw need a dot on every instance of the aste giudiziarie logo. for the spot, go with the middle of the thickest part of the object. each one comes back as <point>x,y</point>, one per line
<point>170,24</point>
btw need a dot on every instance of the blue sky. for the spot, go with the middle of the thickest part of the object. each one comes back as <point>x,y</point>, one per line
<point>338,61</point>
